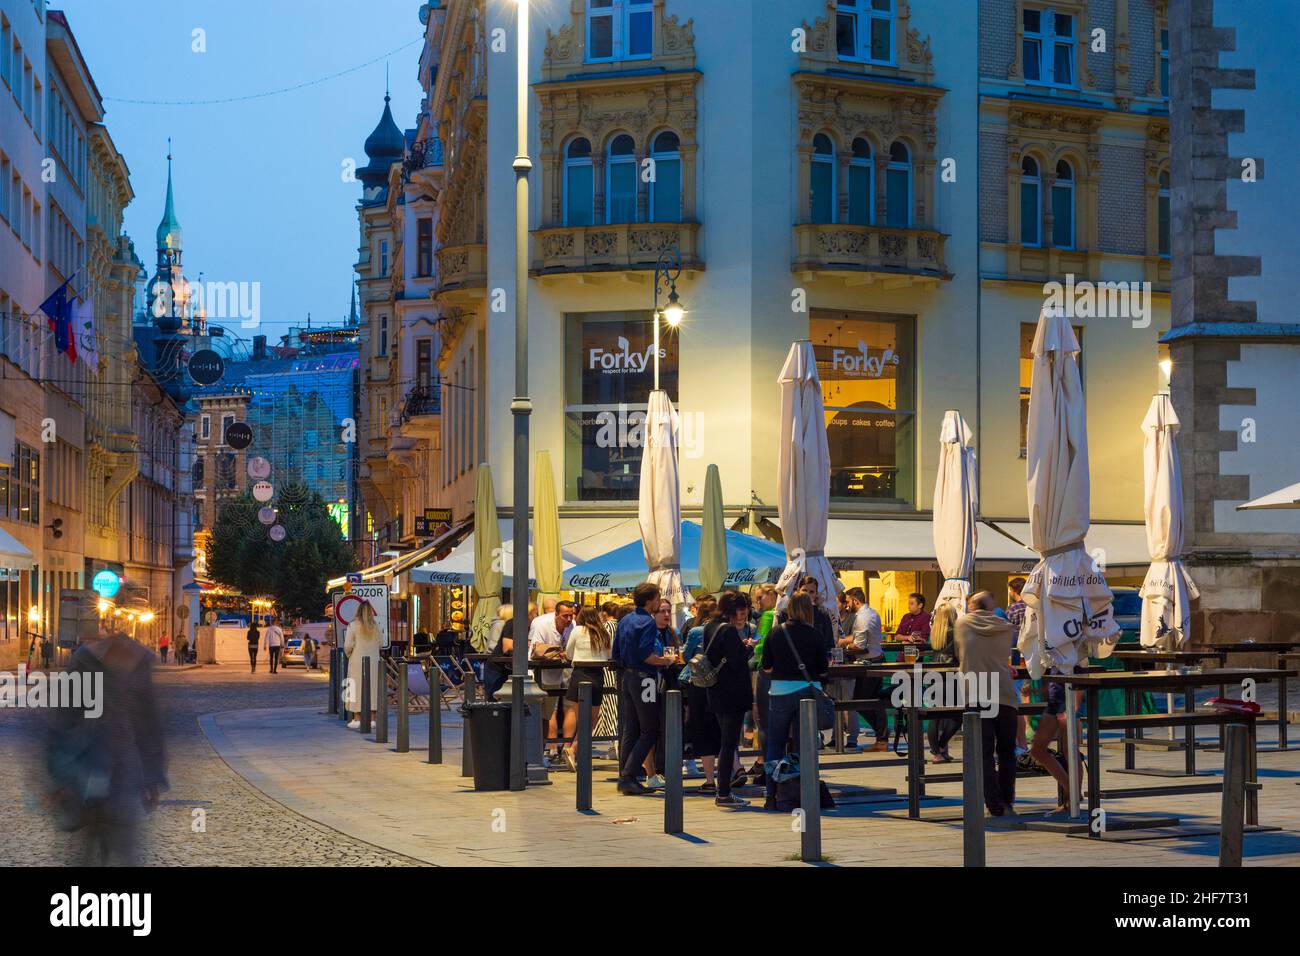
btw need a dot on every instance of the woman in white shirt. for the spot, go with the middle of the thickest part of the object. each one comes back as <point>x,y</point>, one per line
<point>588,650</point>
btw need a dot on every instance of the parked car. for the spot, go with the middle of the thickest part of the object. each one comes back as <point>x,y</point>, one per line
<point>1128,613</point>
<point>293,651</point>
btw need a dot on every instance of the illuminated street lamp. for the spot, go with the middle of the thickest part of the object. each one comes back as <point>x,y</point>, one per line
<point>667,271</point>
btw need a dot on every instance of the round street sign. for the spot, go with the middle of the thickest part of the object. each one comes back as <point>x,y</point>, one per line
<point>263,491</point>
<point>277,532</point>
<point>266,515</point>
<point>239,436</point>
<point>258,468</point>
<point>206,367</point>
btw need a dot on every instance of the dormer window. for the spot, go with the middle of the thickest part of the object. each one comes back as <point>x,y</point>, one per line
<point>864,30</point>
<point>619,30</point>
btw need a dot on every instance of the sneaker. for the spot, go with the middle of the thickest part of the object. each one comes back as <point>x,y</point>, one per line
<point>690,768</point>
<point>630,788</point>
<point>739,777</point>
<point>731,801</point>
<point>657,782</point>
<point>354,724</point>
<point>708,788</point>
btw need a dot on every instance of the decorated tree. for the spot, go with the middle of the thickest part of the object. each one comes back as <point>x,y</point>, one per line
<point>246,556</point>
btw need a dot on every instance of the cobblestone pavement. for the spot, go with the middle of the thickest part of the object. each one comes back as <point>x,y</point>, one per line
<point>240,826</point>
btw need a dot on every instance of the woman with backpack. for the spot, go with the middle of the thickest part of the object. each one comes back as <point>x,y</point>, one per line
<point>703,735</point>
<point>730,695</point>
<point>795,662</point>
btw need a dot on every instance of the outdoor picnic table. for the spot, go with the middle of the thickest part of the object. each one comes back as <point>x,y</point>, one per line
<point>1263,647</point>
<point>1185,680</point>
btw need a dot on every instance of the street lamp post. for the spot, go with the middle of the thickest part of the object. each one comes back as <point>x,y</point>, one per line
<point>520,408</point>
<point>667,271</point>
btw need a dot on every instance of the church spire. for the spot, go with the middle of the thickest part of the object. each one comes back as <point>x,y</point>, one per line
<point>169,228</point>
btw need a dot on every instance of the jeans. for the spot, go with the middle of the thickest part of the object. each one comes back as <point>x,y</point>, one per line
<point>731,725</point>
<point>252,660</point>
<point>162,651</point>
<point>274,653</point>
<point>762,698</point>
<point>782,730</point>
<point>941,731</point>
<point>640,721</point>
<point>869,688</point>
<point>1000,738</point>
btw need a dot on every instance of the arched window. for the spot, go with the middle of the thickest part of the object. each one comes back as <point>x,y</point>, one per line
<point>1063,206</point>
<point>1031,203</point>
<point>666,186</point>
<point>823,179</point>
<point>620,180</point>
<point>1162,214</point>
<point>861,204</point>
<point>579,193</point>
<point>898,188</point>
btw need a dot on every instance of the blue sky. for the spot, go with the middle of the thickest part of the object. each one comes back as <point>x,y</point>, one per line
<point>258,183</point>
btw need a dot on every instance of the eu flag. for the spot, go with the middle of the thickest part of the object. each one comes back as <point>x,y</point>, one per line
<point>58,307</point>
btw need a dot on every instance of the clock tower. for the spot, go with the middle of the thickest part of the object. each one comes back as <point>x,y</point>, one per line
<point>169,300</point>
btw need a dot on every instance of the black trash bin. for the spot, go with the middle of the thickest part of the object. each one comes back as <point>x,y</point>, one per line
<point>489,730</point>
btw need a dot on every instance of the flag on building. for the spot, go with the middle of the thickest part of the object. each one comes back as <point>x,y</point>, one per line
<point>58,308</point>
<point>83,324</point>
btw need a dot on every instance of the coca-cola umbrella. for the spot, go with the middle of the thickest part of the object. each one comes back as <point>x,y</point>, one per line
<point>750,560</point>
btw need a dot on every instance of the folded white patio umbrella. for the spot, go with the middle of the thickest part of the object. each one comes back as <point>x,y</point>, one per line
<point>803,480</point>
<point>660,505</point>
<point>1168,590</point>
<point>1068,613</point>
<point>956,504</point>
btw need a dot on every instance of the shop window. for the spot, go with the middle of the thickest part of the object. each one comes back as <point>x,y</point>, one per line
<point>1027,330</point>
<point>867,364</point>
<point>609,374</point>
<point>823,179</point>
<point>620,181</point>
<point>579,197</point>
<point>666,186</point>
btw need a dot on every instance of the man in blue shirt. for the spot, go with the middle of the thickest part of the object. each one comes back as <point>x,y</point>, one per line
<point>636,651</point>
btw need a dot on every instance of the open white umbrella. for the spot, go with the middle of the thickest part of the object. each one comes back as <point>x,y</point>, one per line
<point>804,480</point>
<point>956,504</point>
<point>1168,590</point>
<point>1068,613</point>
<point>1285,498</point>
<point>660,505</point>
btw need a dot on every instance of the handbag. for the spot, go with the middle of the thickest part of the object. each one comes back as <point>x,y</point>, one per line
<point>825,706</point>
<point>703,673</point>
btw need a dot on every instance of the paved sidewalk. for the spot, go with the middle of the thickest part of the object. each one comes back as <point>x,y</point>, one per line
<point>312,764</point>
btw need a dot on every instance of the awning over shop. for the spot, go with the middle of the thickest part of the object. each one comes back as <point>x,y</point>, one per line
<point>1113,546</point>
<point>1285,498</point>
<point>750,560</point>
<point>390,568</point>
<point>14,555</point>
<point>907,544</point>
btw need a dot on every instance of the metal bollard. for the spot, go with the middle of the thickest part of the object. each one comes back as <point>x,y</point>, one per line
<point>810,794</point>
<point>972,789</point>
<point>469,689</point>
<point>381,704</point>
<point>365,695</point>
<point>584,746</point>
<point>435,713</point>
<point>403,708</point>
<point>334,681</point>
<point>673,822</point>
<point>1232,814</point>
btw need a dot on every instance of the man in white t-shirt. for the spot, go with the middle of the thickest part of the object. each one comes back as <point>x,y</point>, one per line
<point>273,639</point>
<point>548,631</point>
<point>865,644</point>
